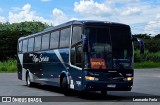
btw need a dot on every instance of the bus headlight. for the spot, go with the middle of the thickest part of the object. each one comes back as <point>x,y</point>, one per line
<point>90,78</point>
<point>129,78</point>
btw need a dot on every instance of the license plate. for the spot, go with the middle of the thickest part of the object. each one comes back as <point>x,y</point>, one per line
<point>111,85</point>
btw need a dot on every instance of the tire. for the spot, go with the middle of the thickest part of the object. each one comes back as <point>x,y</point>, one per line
<point>64,86</point>
<point>28,81</point>
<point>103,92</point>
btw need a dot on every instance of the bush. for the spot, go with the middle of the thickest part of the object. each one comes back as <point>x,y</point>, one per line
<point>147,56</point>
<point>147,64</point>
<point>9,65</point>
<point>152,45</point>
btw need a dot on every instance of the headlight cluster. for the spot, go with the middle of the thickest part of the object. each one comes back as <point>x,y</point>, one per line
<point>91,78</point>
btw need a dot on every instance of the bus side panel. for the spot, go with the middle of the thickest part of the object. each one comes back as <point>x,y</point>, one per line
<point>31,63</point>
<point>76,77</point>
<point>52,68</point>
<point>75,74</point>
<point>63,56</point>
<point>51,72</point>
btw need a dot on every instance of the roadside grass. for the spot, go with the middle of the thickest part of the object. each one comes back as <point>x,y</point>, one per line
<point>8,66</point>
<point>147,64</point>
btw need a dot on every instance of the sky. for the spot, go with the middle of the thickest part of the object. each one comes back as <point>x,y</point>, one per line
<point>142,15</point>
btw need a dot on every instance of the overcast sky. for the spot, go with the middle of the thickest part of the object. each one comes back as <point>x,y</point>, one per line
<point>142,15</point>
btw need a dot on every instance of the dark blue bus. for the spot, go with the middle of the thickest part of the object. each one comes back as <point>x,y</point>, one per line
<point>79,55</point>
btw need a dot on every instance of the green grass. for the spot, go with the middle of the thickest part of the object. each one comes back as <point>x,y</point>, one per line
<point>147,64</point>
<point>8,66</point>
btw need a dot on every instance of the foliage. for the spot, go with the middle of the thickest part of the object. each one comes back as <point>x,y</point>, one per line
<point>9,34</point>
<point>143,36</point>
<point>147,64</point>
<point>152,44</point>
<point>147,56</point>
<point>8,66</point>
<point>157,36</point>
<point>25,28</point>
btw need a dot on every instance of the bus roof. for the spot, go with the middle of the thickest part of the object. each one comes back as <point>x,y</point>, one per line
<point>76,22</point>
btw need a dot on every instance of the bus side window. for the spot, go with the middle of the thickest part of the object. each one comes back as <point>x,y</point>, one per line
<point>37,45</point>
<point>64,37</point>
<point>77,32</point>
<point>25,44</point>
<point>30,44</point>
<point>45,41</point>
<point>73,56</point>
<point>20,47</point>
<point>76,56</point>
<point>54,39</point>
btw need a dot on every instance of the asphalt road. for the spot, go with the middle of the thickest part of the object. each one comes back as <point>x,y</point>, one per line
<point>146,83</point>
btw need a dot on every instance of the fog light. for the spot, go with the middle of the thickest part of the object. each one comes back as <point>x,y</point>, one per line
<point>89,78</point>
<point>129,78</point>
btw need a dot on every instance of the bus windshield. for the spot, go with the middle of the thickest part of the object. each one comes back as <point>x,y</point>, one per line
<point>107,45</point>
<point>121,42</point>
<point>99,45</point>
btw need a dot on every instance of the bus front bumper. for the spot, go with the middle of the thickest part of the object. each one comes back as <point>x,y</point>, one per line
<point>108,86</point>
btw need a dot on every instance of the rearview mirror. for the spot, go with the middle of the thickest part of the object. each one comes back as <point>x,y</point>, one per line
<point>141,44</point>
<point>85,43</point>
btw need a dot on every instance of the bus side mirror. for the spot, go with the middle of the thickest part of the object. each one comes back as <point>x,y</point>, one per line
<point>141,44</point>
<point>85,43</point>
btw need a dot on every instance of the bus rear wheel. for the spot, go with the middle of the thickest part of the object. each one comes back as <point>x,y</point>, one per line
<point>64,86</point>
<point>28,80</point>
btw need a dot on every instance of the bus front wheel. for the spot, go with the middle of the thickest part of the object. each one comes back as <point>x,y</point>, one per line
<point>64,86</point>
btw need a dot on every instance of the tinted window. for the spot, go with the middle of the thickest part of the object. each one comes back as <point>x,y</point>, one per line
<point>121,42</point>
<point>79,56</point>
<point>76,34</point>
<point>24,49</point>
<point>54,40</point>
<point>20,46</point>
<point>73,56</point>
<point>98,34</point>
<point>100,44</point>
<point>121,37</point>
<point>37,45</point>
<point>45,41</point>
<point>64,38</point>
<point>30,44</point>
<point>76,55</point>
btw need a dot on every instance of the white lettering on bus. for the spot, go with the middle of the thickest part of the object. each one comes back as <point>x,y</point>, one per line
<point>41,58</point>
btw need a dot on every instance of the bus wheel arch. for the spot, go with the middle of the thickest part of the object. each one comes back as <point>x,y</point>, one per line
<point>64,84</point>
<point>63,75</point>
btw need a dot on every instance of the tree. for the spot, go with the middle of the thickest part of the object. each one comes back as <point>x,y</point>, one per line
<point>9,34</point>
<point>157,36</point>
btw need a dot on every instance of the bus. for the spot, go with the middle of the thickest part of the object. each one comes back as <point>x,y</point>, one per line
<point>82,55</point>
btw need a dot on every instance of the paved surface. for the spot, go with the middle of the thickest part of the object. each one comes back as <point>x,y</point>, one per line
<point>146,83</point>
